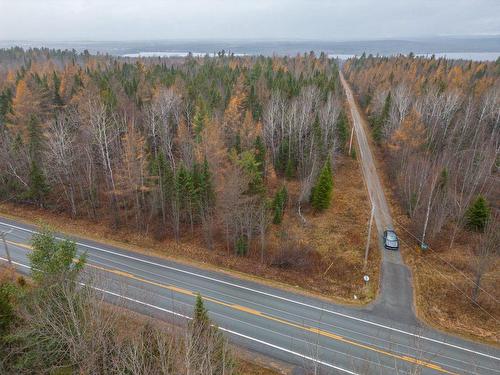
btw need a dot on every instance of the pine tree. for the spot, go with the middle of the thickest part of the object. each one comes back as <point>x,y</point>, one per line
<point>478,214</point>
<point>38,187</point>
<point>57,100</point>
<point>6,310</point>
<point>53,258</point>
<point>256,185</point>
<point>186,192</point>
<point>200,316</point>
<point>282,157</point>
<point>321,193</point>
<point>290,169</point>
<point>199,122</point>
<point>260,154</point>
<point>34,138</point>
<point>208,347</point>
<point>203,186</point>
<point>241,245</point>
<point>342,129</point>
<point>279,204</point>
<point>5,104</point>
<point>379,122</point>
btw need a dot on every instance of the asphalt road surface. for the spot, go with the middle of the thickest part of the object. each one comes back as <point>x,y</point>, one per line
<point>304,331</point>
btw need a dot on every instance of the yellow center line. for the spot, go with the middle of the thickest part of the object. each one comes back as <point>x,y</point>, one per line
<point>254,312</point>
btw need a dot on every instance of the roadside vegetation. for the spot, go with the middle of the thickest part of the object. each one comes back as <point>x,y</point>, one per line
<point>52,324</point>
<point>234,160</point>
<point>437,123</point>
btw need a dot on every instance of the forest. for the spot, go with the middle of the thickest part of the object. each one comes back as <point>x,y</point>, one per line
<point>437,125</point>
<point>220,149</point>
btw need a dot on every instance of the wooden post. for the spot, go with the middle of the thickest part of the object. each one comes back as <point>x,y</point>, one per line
<point>3,235</point>
<point>368,239</point>
<point>350,142</point>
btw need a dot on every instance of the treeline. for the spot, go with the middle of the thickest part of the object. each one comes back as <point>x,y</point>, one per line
<point>169,146</point>
<point>54,325</point>
<point>438,122</point>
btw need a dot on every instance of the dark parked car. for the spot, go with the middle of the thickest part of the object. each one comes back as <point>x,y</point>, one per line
<point>391,241</point>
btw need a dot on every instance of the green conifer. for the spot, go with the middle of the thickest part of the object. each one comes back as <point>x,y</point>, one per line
<point>321,193</point>
<point>279,204</point>
<point>478,214</point>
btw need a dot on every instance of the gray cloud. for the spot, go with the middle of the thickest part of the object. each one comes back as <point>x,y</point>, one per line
<point>244,19</point>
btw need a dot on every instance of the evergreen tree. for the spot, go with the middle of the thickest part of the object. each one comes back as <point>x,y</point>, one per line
<point>343,129</point>
<point>35,138</point>
<point>199,122</point>
<point>52,258</point>
<point>241,245</point>
<point>249,163</point>
<point>478,214</point>
<point>321,193</point>
<point>5,104</point>
<point>203,186</point>
<point>279,204</point>
<point>6,311</point>
<point>38,187</point>
<point>290,169</point>
<point>207,344</point>
<point>185,191</point>
<point>260,154</point>
<point>282,157</point>
<point>57,100</point>
<point>200,316</point>
<point>379,122</point>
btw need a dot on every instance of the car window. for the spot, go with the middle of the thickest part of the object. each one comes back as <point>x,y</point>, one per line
<point>391,236</point>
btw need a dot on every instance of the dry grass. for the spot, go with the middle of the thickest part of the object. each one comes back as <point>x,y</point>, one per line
<point>443,281</point>
<point>339,236</point>
<point>251,368</point>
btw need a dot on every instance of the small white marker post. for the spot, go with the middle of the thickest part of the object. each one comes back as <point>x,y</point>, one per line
<point>366,278</point>
<point>3,235</point>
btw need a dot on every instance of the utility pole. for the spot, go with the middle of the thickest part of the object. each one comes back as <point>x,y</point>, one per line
<point>369,235</point>
<point>4,234</point>
<point>350,142</point>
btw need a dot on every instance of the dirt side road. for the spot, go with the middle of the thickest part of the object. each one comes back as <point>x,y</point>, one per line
<point>396,291</point>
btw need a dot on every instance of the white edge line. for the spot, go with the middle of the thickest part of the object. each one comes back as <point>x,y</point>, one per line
<point>271,295</point>
<point>221,328</point>
<point>227,330</point>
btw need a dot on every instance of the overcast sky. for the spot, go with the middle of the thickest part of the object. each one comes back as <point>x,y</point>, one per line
<point>61,20</point>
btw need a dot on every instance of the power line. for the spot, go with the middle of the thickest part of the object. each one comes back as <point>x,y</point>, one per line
<point>456,287</point>
<point>436,254</point>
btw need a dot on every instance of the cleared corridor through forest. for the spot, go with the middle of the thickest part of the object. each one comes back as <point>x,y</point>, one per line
<point>395,300</point>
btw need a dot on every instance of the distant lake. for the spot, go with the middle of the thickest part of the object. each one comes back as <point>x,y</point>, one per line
<point>174,54</point>
<point>485,48</point>
<point>475,56</point>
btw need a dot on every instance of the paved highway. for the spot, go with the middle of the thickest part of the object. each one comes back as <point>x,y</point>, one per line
<point>301,330</point>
